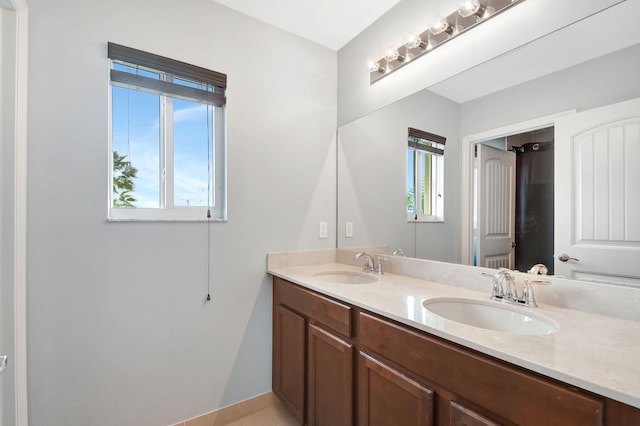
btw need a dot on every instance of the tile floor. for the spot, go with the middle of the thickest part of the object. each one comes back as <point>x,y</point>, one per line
<point>275,415</point>
<point>263,410</point>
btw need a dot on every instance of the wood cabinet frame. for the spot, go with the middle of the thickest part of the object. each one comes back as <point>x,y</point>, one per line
<point>443,383</point>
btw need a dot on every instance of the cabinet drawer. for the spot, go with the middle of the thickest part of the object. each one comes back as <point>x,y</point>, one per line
<point>463,416</point>
<point>328,312</point>
<point>520,397</point>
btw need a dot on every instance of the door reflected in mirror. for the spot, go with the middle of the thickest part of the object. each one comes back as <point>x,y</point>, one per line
<point>513,201</point>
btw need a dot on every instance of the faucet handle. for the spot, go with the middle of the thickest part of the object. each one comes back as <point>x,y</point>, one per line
<point>379,265</point>
<point>528,299</point>
<point>498,291</point>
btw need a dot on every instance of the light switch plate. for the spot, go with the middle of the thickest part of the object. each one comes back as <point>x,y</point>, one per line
<point>348,229</point>
<point>322,233</point>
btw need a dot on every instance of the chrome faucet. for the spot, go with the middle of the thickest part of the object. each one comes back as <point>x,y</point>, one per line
<point>400,252</point>
<point>528,299</point>
<point>509,292</point>
<point>368,265</point>
<point>499,292</point>
<point>538,269</point>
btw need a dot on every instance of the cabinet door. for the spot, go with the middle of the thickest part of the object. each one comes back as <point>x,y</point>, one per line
<point>463,416</point>
<point>288,359</point>
<point>620,414</point>
<point>330,376</point>
<point>387,397</point>
<point>514,394</point>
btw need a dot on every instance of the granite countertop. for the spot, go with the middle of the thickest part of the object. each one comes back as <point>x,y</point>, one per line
<point>595,352</point>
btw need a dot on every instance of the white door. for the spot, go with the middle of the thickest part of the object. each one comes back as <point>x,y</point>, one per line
<point>597,194</point>
<point>496,204</point>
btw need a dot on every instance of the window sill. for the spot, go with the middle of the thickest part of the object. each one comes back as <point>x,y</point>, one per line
<point>184,220</point>
<point>192,214</point>
<point>430,219</point>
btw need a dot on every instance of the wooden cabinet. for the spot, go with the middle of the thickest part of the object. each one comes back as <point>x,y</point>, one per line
<point>403,376</point>
<point>505,393</point>
<point>312,356</point>
<point>387,397</point>
<point>289,331</point>
<point>463,416</point>
<point>330,379</point>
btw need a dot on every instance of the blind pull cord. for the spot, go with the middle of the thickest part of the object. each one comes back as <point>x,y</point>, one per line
<point>208,207</point>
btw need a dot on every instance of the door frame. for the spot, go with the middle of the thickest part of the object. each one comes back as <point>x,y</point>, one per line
<point>466,159</point>
<point>19,205</point>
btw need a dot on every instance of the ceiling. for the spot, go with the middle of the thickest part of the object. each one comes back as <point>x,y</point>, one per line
<point>566,47</point>
<point>331,23</point>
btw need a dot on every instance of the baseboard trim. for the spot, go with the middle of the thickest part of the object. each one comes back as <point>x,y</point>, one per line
<point>233,413</point>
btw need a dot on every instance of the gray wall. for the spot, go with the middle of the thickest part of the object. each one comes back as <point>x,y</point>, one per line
<point>372,178</point>
<point>7,206</point>
<point>609,79</point>
<point>118,329</point>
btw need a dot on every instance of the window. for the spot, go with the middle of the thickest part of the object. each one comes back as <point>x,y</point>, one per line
<point>167,145</point>
<point>425,176</point>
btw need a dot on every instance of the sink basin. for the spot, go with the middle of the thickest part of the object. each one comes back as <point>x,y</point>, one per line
<point>491,316</point>
<point>346,277</point>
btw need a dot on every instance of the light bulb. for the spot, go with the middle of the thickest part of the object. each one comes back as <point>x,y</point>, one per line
<point>412,41</point>
<point>391,54</point>
<point>470,8</point>
<point>441,26</point>
<point>375,66</point>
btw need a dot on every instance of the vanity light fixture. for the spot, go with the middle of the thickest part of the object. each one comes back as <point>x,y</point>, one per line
<point>431,43</point>
<point>471,8</point>
<point>375,67</point>
<point>441,26</point>
<point>392,55</point>
<point>413,41</point>
<point>469,14</point>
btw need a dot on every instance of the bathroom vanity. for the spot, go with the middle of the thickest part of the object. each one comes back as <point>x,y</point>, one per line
<point>370,354</point>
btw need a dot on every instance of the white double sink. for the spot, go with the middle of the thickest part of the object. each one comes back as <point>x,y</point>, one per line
<point>488,315</point>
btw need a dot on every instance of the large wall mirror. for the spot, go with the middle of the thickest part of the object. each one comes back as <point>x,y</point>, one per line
<point>486,105</point>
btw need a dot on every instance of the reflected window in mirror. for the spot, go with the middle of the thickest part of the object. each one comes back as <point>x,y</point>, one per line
<point>425,176</point>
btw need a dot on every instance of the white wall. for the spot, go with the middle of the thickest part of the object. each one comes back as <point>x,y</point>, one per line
<point>372,184</point>
<point>606,80</point>
<point>516,27</point>
<point>118,327</point>
<point>7,205</point>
